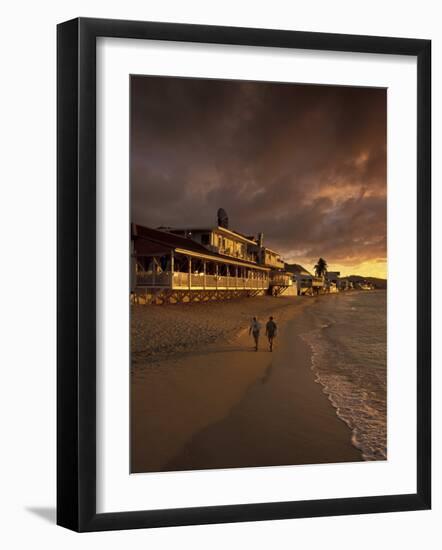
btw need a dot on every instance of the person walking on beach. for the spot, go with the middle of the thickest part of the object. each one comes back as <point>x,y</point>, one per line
<point>271,331</point>
<point>254,329</point>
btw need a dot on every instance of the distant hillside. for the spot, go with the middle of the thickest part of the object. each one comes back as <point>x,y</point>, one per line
<point>298,269</point>
<point>378,283</point>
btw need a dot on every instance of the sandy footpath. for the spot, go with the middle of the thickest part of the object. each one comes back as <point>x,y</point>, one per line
<point>159,332</point>
<point>205,399</point>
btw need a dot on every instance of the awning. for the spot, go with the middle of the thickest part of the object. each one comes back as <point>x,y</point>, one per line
<point>221,259</point>
<point>143,247</point>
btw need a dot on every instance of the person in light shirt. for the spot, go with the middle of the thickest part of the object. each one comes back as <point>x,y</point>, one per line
<point>254,329</point>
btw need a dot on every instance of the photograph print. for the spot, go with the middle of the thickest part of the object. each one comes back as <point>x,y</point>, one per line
<point>258,262</point>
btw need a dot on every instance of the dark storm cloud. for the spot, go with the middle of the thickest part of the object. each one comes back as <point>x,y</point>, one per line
<point>304,164</point>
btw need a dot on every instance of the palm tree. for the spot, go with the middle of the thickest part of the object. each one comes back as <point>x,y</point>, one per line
<point>321,268</point>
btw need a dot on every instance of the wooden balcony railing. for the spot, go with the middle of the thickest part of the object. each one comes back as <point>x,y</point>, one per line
<point>280,280</point>
<point>147,278</point>
<point>179,280</point>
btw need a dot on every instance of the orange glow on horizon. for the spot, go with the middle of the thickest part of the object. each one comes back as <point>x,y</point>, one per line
<point>369,268</point>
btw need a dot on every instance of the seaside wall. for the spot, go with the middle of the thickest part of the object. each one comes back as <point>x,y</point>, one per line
<point>290,291</point>
<point>145,296</point>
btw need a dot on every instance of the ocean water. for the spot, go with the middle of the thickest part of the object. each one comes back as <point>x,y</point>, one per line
<point>349,359</point>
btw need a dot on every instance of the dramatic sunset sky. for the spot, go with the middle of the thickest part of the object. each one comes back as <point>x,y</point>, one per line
<point>304,164</point>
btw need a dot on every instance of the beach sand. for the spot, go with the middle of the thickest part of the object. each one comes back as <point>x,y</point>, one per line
<point>201,397</point>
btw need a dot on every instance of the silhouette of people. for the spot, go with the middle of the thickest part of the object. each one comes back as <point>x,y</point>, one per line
<point>271,329</point>
<point>254,329</point>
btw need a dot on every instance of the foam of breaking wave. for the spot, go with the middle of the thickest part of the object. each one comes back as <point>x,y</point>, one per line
<point>356,391</point>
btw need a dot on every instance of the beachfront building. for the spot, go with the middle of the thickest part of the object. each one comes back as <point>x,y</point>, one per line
<point>225,241</point>
<point>332,281</point>
<point>221,241</point>
<point>344,284</point>
<point>366,285</point>
<point>306,283</point>
<point>185,265</point>
<point>281,281</point>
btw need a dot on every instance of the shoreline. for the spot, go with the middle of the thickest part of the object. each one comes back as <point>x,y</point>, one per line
<point>355,385</point>
<point>222,405</point>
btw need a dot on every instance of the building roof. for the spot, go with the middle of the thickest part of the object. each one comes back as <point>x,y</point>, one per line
<point>271,251</point>
<point>165,238</point>
<point>144,247</point>
<point>247,238</point>
<point>149,241</point>
<point>237,234</point>
<point>297,269</point>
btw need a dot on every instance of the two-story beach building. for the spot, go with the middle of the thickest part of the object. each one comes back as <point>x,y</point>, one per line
<point>305,282</point>
<point>332,281</point>
<point>201,264</point>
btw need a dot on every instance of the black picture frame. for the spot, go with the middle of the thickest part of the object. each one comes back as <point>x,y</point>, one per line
<point>76,274</point>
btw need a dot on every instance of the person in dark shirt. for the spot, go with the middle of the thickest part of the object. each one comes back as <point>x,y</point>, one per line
<point>271,329</point>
